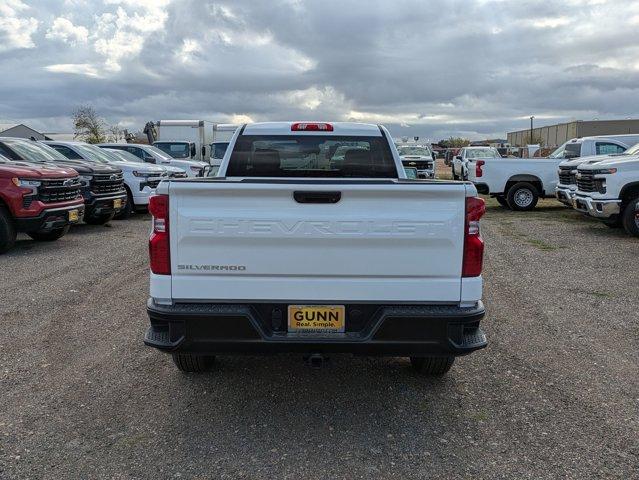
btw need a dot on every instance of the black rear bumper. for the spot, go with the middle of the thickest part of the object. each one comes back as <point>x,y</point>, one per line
<point>392,330</point>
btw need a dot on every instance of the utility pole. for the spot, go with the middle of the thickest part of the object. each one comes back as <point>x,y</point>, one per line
<point>531,128</point>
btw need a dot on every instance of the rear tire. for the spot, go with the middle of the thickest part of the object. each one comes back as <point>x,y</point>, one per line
<point>501,200</point>
<point>630,217</point>
<point>522,197</point>
<point>190,363</point>
<point>100,220</point>
<point>51,236</point>
<point>128,208</point>
<point>7,231</point>
<point>432,365</point>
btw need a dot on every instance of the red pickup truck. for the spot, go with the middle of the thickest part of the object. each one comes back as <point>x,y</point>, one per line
<point>39,200</point>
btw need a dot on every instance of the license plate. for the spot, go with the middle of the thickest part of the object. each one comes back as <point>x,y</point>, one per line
<point>117,203</point>
<point>73,215</point>
<point>316,318</point>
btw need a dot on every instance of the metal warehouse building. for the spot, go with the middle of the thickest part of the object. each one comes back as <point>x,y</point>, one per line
<point>554,135</point>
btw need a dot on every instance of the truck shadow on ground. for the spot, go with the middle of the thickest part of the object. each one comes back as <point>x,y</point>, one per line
<point>353,406</point>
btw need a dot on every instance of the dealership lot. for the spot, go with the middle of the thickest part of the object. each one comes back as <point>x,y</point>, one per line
<point>554,394</point>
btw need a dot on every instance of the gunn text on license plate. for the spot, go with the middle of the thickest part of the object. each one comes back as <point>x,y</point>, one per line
<point>316,318</point>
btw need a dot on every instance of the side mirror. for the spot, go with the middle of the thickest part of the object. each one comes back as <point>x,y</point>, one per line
<point>434,155</point>
<point>457,157</point>
<point>411,172</point>
<point>203,151</point>
<point>192,152</point>
<point>149,159</point>
<point>206,171</point>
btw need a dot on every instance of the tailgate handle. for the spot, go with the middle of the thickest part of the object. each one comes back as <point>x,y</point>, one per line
<point>317,197</point>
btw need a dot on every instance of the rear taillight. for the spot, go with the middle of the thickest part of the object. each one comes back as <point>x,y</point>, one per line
<point>478,170</point>
<point>473,243</point>
<point>311,127</point>
<point>159,251</point>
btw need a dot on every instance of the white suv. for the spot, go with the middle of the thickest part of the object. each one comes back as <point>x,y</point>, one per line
<point>151,154</point>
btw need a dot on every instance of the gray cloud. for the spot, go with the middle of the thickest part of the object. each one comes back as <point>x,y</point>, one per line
<point>437,68</point>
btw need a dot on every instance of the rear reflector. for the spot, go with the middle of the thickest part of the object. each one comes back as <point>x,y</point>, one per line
<point>159,251</point>
<point>473,243</point>
<point>311,127</point>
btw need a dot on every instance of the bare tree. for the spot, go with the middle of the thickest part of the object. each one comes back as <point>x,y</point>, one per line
<point>88,125</point>
<point>534,140</point>
<point>116,134</point>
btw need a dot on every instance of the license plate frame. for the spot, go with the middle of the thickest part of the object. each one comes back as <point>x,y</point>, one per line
<point>316,318</point>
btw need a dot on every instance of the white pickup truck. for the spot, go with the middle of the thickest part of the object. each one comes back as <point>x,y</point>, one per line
<point>516,183</point>
<point>151,154</point>
<point>585,150</point>
<point>420,157</point>
<point>466,156</point>
<point>609,190</point>
<point>289,250</point>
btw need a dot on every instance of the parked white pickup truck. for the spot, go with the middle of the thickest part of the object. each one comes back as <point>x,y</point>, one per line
<point>291,250</point>
<point>151,154</point>
<point>584,150</point>
<point>420,157</point>
<point>516,183</point>
<point>609,190</point>
<point>467,155</point>
<point>140,180</point>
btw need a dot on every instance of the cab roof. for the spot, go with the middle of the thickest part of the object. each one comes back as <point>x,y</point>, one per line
<point>338,129</point>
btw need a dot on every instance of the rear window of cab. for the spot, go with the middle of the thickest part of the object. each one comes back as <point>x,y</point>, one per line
<point>311,156</point>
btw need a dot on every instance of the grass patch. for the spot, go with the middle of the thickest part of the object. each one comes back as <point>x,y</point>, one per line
<point>479,416</point>
<point>541,245</point>
<point>600,294</point>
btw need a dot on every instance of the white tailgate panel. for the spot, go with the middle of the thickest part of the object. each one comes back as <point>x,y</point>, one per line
<point>379,243</point>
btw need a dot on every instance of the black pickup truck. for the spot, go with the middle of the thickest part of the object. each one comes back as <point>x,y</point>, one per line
<point>102,185</point>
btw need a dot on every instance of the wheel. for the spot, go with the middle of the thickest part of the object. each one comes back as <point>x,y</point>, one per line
<point>49,236</point>
<point>128,208</point>
<point>100,220</point>
<point>7,230</point>
<point>502,201</point>
<point>188,362</point>
<point>613,222</point>
<point>432,365</point>
<point>630,217</point>
<point>522,196</point>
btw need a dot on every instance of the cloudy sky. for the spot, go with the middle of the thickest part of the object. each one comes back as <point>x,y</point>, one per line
<point>435,68</point>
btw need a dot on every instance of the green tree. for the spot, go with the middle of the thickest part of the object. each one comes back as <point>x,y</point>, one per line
<point>455,142</point>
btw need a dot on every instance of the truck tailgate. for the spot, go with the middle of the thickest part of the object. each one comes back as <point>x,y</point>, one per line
<point>381,242</point>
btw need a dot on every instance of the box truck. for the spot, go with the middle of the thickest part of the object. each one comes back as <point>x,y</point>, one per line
<point>185,139</point>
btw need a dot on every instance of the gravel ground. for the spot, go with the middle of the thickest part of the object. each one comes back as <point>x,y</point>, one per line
<point>555,395</point>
